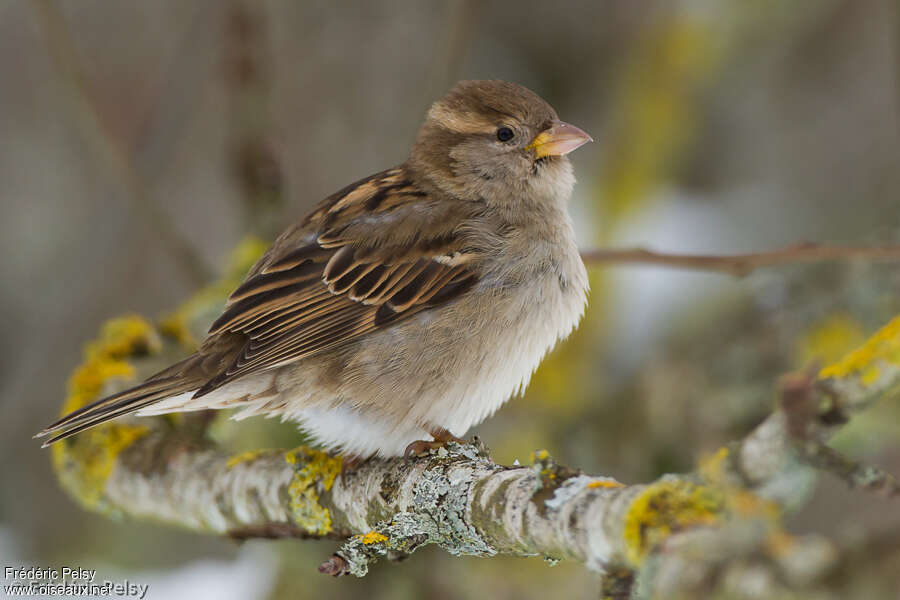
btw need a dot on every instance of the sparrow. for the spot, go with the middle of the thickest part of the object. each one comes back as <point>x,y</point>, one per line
<point>408,306</point>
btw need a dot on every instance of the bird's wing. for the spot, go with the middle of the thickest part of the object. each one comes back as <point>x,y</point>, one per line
<point>376,252</point>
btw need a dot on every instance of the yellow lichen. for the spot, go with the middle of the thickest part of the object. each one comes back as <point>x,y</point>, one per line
<point>177,323</point>
<point>244,256</point>
<point>539,455</point>
<point>746,504</point>
<point>715,470</point>
<point>780,543</point>
<point>372,537</point>
<point>123,337</point>
<point>246,457</point>
<point>83,463</point>
<point>828,340</point>
<point>670,63</point>
<point>664,508</point>
<point>870,375</point>
<point>87,381</point>
<point>882,347</point>
<point>313,468</point>
<point>605,483</point>
<point>712,468</point>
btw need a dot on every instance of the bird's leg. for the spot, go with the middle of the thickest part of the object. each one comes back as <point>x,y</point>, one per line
<point>350,462</point>
<point>441,436</point>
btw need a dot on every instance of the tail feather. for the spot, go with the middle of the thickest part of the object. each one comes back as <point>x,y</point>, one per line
<point>116,405</point>
<point>81,426</point>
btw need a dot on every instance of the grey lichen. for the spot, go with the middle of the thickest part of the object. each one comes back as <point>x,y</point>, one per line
<point>438,514</point>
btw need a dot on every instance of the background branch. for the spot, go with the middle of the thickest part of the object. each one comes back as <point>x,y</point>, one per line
<point>64,55</point>
<point>254,165</point>
<point>741,264</point>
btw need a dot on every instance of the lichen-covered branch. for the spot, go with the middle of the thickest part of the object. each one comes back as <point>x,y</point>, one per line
<point>714,525</point>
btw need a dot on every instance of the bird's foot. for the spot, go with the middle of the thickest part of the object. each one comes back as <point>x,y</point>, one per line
<point>442,437</point>
<point>350,462</point>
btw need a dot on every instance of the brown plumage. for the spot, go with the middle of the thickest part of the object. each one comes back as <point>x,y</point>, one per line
<point>356,277</point>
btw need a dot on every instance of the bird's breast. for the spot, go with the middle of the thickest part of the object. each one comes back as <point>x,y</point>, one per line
<point>530,298</point>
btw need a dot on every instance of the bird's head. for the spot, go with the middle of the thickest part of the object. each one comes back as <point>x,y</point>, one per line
<point>496,140</point>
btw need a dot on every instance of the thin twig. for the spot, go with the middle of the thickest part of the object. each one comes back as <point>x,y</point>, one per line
<point>854,473</point>
<point>741,264</point>
<point>62,51</point>
<point>800,406</point>
<point>252,160</point>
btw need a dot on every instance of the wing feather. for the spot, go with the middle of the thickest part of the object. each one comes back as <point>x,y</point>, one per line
<point>374,253</point>
<point>331,283</point>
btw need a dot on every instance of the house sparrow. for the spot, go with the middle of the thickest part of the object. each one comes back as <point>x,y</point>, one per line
<point>409,304</point>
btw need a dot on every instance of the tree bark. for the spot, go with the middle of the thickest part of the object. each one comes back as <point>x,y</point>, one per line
<point>644,537</point>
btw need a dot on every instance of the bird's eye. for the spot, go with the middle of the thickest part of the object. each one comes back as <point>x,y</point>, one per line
<point>504,134</point>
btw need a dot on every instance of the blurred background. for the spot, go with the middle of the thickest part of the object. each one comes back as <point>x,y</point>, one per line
<point>141,141</point>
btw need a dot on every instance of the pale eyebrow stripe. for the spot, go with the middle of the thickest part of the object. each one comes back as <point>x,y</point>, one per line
<point>459,123</point>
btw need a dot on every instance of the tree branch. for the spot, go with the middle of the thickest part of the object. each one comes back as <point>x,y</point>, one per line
<point>459,499</point>
<point>741,264</point>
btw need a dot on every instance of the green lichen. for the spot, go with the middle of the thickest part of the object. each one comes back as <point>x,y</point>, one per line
<point>84,462</point>
<point>314,470</point>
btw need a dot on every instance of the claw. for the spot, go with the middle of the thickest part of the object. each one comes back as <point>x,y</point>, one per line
<point>350,462</point>
<point>420,448</point>
<point>442,437</point>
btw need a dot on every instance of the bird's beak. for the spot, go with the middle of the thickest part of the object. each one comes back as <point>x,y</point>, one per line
<point>560,139</point>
